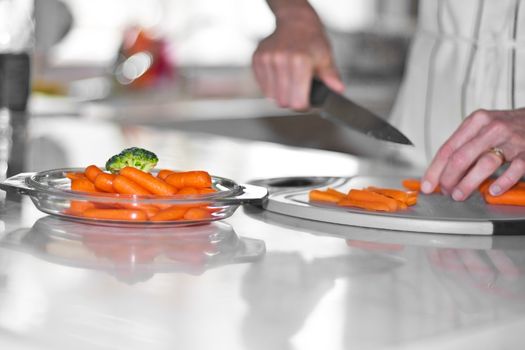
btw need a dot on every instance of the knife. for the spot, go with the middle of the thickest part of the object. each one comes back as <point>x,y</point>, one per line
<point>339,109</point>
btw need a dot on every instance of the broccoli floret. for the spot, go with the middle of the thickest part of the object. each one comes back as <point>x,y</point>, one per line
<point>134,157</point>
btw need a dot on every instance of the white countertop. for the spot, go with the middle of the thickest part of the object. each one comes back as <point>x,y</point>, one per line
<point>317,286</point>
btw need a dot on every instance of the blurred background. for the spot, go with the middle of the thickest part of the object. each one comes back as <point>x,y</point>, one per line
<point>168,50</point>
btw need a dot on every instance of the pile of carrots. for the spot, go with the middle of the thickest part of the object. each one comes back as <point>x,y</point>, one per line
<point>370,198</point>
<point>132,181</point>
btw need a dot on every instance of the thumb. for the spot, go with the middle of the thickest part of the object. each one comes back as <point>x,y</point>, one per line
<point>330,76</point>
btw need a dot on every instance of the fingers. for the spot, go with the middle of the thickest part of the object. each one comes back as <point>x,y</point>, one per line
<point>510,176</point>
<point>466,132</point>
<point>301,80</point>
<point>330,76</point>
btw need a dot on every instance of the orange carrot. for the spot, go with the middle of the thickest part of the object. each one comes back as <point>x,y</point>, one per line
<point>91,172</point>
<point>515,196</point>
<point>164,173</point>
<point>149,209</point>
<point>188,191</point>
<point>75,175</point>
<point>401,196</point>
<point>197,179</point>
<point>323,196</point>
<point>415,185</point>
<point>335,192</point>
<point>78,207</point>
<point>172,213</point>
<point>195,214</point>
<point>206,190</point>
<point>116,214</point>
<point>364,196</point>
<point>104,182</point>
<point>83,185</point>
<point>123,185</point>
<point>368,205</point>
<point>412,201</point>
<point>148,181</point>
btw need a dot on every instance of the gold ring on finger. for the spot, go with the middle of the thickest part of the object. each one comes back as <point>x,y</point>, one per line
<point>498,152</point>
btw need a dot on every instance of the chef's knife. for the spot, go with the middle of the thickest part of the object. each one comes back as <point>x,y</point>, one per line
<point>341,110</point>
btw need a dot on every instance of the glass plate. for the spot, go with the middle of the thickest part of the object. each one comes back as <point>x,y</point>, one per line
<point>51,193</point>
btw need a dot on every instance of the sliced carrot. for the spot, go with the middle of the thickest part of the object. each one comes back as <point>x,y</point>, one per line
<point>92,172</point>
<point>148,181</point>
<point>335,192</point>
<point>123,185</point>
<point>412,201</point>
<point>196,179</point>
<point>116,214</point>
<point>195,214</point>
<point>515,196</point>
<point>368,205</point>
<point>188,191</point>
<point>83,185</point>
<point>170,214</point>
<point>323,196</point>
<point>164,173</point>
<point>364,195</point>
<point>75,175</point>
<point>104,182</point>
<point>415,185</point>
<point>401,196</point>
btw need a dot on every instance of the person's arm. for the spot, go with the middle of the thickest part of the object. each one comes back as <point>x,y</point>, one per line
<point>468,157</point>
<point>286,61</point>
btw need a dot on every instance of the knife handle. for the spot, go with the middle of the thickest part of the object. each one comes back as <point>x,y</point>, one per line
<point>318,93</point>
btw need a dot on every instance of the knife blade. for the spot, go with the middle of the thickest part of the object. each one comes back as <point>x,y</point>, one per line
<point>340,109</point>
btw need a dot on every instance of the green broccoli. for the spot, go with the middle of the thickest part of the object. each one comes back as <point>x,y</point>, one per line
<point>134,157</point>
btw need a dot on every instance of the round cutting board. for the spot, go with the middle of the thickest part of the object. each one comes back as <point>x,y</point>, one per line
<point>433,213</point>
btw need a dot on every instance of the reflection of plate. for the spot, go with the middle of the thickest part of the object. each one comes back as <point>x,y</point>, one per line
<point>387,236</point>
<point>50,192</point>
<point>135,254</point>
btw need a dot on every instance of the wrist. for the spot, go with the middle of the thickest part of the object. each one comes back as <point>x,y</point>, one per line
<point>295,10</point>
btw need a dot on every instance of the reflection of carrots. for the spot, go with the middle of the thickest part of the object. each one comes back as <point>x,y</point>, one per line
<point>169,214</point>
<point>104,182</point>
<point>148,181</point>
<point>415,185</point>
<point>164,173</point>
<point>124,185</point>
<point>188,191</point>
<point>206,190</point>
<point>322,196</point>
<point>195,214</point>
<point>116,214</point>
<point>197,179</point>
<point>83,185</point>
<point>92,172</point>
<point>376,206</point>
<point>368,196</point>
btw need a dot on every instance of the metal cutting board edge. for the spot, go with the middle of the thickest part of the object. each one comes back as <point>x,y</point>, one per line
<point>433,213</point>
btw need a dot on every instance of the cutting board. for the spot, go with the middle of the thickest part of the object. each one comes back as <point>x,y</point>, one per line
<point>433,213</point>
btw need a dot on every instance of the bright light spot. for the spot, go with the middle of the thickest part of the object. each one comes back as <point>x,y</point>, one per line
<point>134,67</point>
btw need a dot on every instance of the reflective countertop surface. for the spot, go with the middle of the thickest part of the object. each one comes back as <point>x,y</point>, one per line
<point>257,280</point>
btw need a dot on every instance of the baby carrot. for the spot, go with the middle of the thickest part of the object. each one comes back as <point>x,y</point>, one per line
<point>368,196</point>
<point>116,214</point>
<point>91,172</point>
<point>148,181</point>
<point>83,185</point>
<point>415,185</point>
<point>206,190</point>
<point>515,196</point>
<point>104,182</point>
<point>323,196</point>
<point>195,214</point>
<point>149,209</point>
<point>188,191</point>
<point>164,173</point>
<point>123,185</point>
<point>368,205</point>
<point>169,214</point>
<point>75,175</point>
<point>78,207</point>
<point>197,179</point>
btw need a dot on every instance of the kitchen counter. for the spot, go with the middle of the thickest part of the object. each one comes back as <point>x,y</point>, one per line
<point>271,281</point>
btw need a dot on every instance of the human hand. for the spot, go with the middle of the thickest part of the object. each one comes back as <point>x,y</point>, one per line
<point>286,61</point>
<point>465,161</point>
